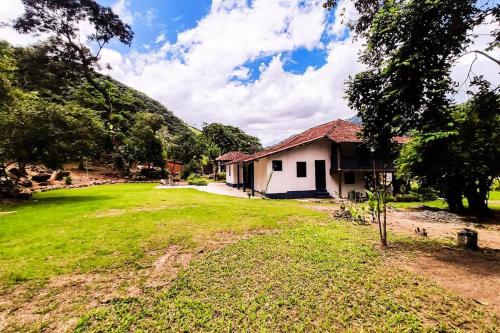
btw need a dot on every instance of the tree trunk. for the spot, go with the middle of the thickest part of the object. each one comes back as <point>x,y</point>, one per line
<point>477,200</point>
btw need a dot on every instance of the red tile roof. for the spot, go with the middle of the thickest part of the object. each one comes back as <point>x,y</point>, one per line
<point>338,131</point>
<point>232,156</point>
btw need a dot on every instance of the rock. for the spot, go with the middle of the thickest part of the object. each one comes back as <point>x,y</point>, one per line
<point>60,174</point>
<point>23,195</point>
<point>16,172</point>
<point>43,183</point>
<point>41,177</point>
<point>25,182</point>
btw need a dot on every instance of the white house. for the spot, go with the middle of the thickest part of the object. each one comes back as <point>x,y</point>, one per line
<point>328,160</point>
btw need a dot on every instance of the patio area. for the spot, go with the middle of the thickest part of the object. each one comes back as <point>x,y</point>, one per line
<point>215,188</point>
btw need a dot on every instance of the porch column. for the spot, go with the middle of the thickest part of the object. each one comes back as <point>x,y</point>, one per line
<point>252,179</point>
<point>237,176</point>
<point>340,184</point>
<point>244,182</point>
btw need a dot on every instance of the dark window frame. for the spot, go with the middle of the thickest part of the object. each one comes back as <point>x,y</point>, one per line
<point>276,163</point>
<point>347,181</point>
<point>302,171</point>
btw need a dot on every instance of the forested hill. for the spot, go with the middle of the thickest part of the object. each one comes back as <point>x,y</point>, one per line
<point>58,83</point>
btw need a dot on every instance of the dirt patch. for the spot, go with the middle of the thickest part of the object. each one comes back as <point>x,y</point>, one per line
<point>57,305</point>
<point>470,274</point>
<point>441,224</point>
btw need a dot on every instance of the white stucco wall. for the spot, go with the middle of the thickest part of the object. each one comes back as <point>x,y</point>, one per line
<point>232,176</point>
<point>287,180</point>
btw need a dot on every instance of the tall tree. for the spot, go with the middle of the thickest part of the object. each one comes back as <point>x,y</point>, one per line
<point>143,144</point>
<point>61,20</point>
<point>411,47</point>
<point>230,138</point>
<point>33,130</point>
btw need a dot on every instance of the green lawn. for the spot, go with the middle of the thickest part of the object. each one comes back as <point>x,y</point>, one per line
<point>494,203</point>
<point>115,225</point>
<point>312,274</point>
<point>312,278</point>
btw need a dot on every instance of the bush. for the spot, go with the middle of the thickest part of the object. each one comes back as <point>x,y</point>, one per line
<point>221,176</point>
<point>68,180</point>
<point>425,193</point>
<point>197,181</point>
<point>496,184</point>
<point>152,173</point>
<point>408,197</point>
<point>185,173</point>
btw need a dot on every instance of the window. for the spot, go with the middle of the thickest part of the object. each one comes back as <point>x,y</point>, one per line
<point>229,167</point>
<point>349,178</point>
<point>301,169</point>
<point>277,165</point>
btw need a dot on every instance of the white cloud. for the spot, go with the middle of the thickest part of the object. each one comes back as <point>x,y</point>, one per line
<point>199,77</point>
<point>161,38</point>
<point>121,8</point>
<point>480,65</point>
<point>10,10</point>
<point>195,76</point>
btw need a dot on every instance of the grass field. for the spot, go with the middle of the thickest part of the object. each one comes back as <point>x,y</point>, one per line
<point>310,274</point>
<point>109,226</point>
<point>494,203</point>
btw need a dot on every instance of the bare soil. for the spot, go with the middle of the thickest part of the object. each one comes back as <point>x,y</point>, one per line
<point>470,274</point>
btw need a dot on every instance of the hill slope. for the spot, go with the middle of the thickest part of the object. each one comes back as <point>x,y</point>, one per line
<point>59,83</point>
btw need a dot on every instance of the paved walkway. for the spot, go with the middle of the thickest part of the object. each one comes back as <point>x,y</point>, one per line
<point>215,188</point>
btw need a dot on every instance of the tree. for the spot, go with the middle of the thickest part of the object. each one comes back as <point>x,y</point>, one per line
<point>479,143</point>
<point>411,46</point>
<point>33,130</point>
<point>61,20</point>
<point>190,149</point>
<point>8,69</point>
<point>230,138</point>
<point>143,144</point>
<point>463,157</point>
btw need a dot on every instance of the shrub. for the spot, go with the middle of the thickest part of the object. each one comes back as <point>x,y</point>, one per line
<point>408,197</point>
<point>221,176</point>
<point>185,173</point>
<point>68,180</point>
<point>425,193</point>
<point>197,181</point>
<point>496,184</point>
<point>152,173</point>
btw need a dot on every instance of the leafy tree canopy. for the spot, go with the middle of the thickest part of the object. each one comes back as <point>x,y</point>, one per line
<point>61,20</point>
<point>33,130</point>
<point>230,138</point>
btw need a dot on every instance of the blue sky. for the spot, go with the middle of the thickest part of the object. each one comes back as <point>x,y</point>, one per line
<point>271,67</point>
<point>153,18</point>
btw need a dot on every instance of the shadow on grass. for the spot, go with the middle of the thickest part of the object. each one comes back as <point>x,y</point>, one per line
<point>483,261</point>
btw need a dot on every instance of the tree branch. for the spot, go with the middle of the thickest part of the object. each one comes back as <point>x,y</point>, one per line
<point>481,53</point>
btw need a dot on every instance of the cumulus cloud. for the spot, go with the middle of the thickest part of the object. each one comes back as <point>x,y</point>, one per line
<point>195,77</point>
<point>121,8</point>
<point>207,76</point>
<point>10,10</point>
<point>477,64</point>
